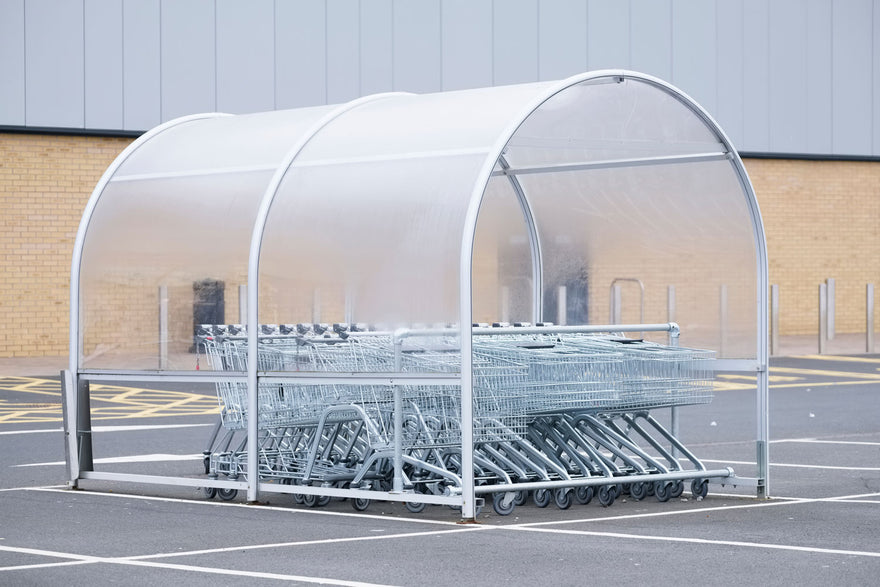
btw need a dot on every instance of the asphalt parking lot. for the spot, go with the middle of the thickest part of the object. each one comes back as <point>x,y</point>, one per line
<point>819,527</point>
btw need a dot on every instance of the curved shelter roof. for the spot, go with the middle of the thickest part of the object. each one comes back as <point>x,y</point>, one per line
<point>370,211</point>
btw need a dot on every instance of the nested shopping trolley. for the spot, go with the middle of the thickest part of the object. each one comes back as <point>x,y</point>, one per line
<point>563,411</point>
<point>403,298</point>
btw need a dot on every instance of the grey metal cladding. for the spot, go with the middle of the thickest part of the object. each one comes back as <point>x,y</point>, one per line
<point>783,76</point>
<point>12,93</point>
<point>54,75</point>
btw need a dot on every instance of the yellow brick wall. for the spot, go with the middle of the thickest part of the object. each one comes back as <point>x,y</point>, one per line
<point>45,182</point>
<point>821,220</point>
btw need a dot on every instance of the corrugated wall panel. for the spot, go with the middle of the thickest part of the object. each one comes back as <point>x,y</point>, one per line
<point>515,42</point>
<point>729,108</point>
<point>12,62</point>
<point>651,37</point>
<point>141,51</point>
<point>54,64</point>
<point>343,51</point>
<point>562,38</point>
<point>245,56</point>
<point>189,74</point>
<point>756,76</point>
<point>417,54</point>
<point>788,75</point>
<point>608,35</point>
<point>103,64</point>
<point>467,44</point>
<point>377,70</point>
<point>693,50</point>
<point>300,54</point>
<point>851,82</point>
<point>818,66</point>
<point>875,98</point>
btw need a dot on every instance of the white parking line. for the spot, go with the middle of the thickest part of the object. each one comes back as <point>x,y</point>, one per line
<point>83,559</point>
<point>131,459</point>
<point>738,543</point>
<point>796,466</point>
<point>816,441</point>
<point>108,428</point>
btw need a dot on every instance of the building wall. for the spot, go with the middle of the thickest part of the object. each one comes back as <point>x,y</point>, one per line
<point>45,182</point>
<point>782,76</point>
<point>820,219</point>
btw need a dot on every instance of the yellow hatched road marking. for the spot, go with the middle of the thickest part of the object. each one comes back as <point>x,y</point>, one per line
<point>108,401</point>
<point>838,358</point>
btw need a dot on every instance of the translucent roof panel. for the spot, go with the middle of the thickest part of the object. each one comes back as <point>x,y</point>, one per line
<point>177,214</point>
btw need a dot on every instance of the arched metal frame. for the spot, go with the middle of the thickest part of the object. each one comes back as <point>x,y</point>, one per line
<point>495,157</point>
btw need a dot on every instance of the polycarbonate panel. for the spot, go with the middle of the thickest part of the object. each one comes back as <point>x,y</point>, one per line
<point>503,287</point>
<point>367,225</point>
<point>686,226</point>
<point>223,144</point>
<point>608,119</point>
<point>188,234</point>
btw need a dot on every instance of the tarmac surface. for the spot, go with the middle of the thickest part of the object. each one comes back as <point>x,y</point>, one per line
<point>821,526</point>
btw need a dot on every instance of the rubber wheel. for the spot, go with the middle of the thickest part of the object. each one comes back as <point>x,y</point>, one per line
<point>322,500</point>
<point>607,495</point>
<point>562,498</point>
<point>415,507</point>
<point>662,490</point>
<point>500,508</point>
<point>700,487</point>
<point>360,503</point>
<point>227,494</point>
<point>522,496</point>
<point>677,489</point>
<point>541,497</point>
<point>310,500</point>
<point>210,492</point>
<point>584,494</point>
<point>638,491</point>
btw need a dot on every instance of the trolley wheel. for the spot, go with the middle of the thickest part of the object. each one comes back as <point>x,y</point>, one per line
<point>677,489</point>
<point>541,497</point>
<point>562,498</point>
<point>227,494</point>
<point>662,490</point>
<point>502,505</point>
<point>322,500</point>
<point>584,494</point>
<point>310,500</point>
<point>638,490</point>
<point>607,495</point>
<point>298,498</point>
<point>522,496</point>
<point>360,503</point>
<point>700,487</point>
<point>210,492</point>
<point>415,507</point>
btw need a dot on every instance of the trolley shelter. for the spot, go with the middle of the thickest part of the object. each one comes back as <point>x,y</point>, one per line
<point>482,295</point>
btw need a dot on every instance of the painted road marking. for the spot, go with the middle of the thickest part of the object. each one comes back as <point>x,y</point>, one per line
<point>838,358</point>
<point>108,428</point>
<point>108,402</point>
<point>132,459</point>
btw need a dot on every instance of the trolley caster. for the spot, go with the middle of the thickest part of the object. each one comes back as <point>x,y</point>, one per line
<point>210,492</point>
<point>360,503</point>
<point>562,498</point>
<point>504,503</point>
<point>607,495</point>
<point>662,490</point>
<point>638,490</point>
<point>677,489</point>
<point>700,487</point>
<point>415,507</point>
<point>522,496</point>
<point>541,497</point>
<point>584,494</point>
<point>227,494</point>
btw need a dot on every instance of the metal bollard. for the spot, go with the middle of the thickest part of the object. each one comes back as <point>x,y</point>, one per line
<point>869,318</point>
<point>774,319</point>
<point>823,317</point>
